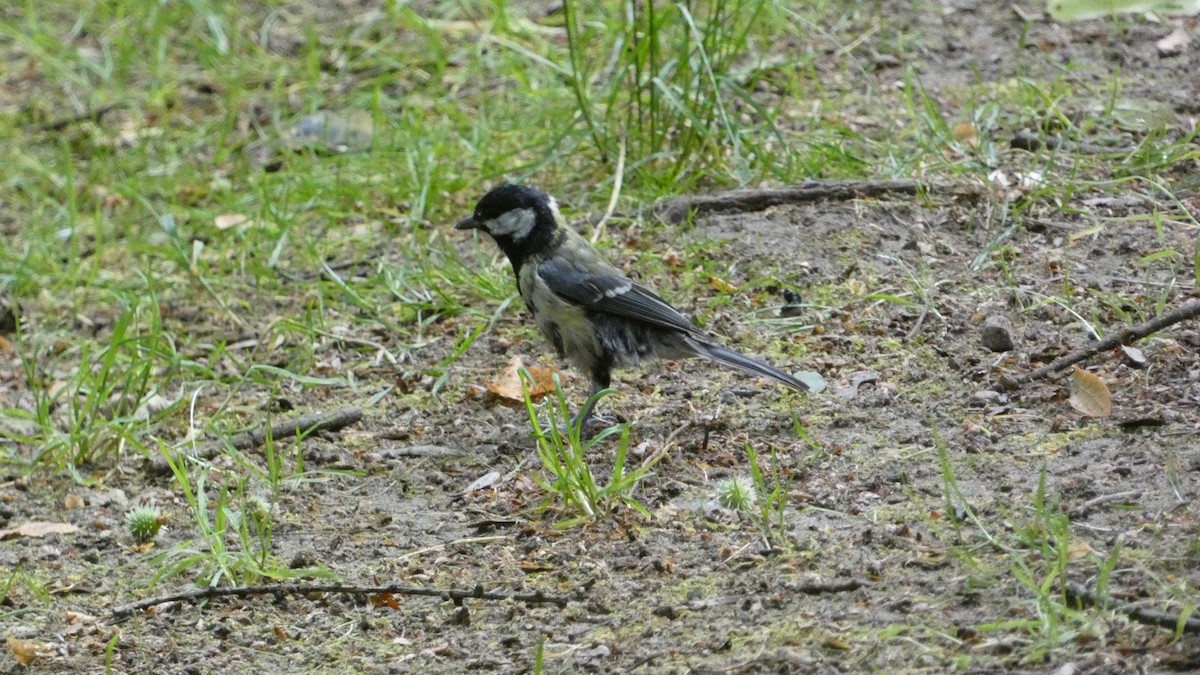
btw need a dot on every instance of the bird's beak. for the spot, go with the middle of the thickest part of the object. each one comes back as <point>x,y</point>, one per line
<point>468,223</point>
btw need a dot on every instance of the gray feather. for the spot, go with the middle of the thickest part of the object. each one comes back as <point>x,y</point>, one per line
<point>604,289</point>
<point>745,364</point>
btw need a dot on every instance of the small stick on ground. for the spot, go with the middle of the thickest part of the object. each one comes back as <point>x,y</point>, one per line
<point>306,425</point>
<point>916,328</point>
<point>677,210</point>
<point>1188,310</point>
<point>1086,507</point>
<point>667,444</point>
<point>455,594</point>
<point>422,451</point>
<point>823,587</point>
<point>89,116</point>
<point>1085,598</point>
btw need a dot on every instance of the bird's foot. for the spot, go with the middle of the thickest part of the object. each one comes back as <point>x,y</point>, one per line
<point>592,425</point>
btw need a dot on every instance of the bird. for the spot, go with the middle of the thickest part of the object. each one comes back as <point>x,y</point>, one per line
<point>591,312</point>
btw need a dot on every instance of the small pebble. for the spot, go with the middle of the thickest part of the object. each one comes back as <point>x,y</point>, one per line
<point>986,396</point>
<point>1031,142</point>
<point>666,611</point>
<point>997,334</point>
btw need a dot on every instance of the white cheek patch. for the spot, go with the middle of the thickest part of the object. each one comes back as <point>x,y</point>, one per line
<point>516,224</point>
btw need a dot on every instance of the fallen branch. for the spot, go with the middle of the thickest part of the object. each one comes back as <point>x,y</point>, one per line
<point>678,210</point>
<point>304,426</point>
<point>454,594</point>
<point>1188,310</point>
<point>1085,598</point>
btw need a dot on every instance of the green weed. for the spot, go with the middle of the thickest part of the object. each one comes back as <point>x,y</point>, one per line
<point>657,82</point>
<point>563,446</point>
<point>771,488</point>
<point>234,534</point>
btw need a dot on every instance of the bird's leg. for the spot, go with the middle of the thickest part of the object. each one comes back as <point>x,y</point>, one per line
<point>593,423</point>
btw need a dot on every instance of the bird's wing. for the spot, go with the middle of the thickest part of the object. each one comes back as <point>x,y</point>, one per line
<point>610,292</point>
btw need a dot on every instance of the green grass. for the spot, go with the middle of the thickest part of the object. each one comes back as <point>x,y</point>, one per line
<point>565,446</point>
<point>144,326</point>
<point>118,215</point>
<point>769,510</point>
<point>234,529</point>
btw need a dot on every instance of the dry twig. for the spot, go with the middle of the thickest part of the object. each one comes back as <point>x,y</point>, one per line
<point>823,587</point>
<point>306,425</point>
<point>1085,598</point>
<point>454,594</point>
<point>1188,310</point>
<point>1086,507</point>
<point>677,210</point>
<point>89,116</point>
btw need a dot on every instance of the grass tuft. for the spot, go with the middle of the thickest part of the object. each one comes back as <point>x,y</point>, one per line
<point>563,447</point>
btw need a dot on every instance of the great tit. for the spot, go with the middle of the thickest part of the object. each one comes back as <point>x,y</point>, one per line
<point>595,316</point>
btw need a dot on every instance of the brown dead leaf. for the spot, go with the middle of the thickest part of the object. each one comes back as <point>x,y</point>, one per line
<point>833,642</point>
<point>37,529</point>
<point>27,652</point>
<point>965,133</point>
<point>1079,550</point>
<point>507,386</point>
<point>1089,394</point>
<point>384,600</point>
<point>280,634</point>
<point>79,617</point>
<point>721,286</point>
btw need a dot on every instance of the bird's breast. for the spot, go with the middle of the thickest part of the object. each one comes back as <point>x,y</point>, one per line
<point>565,324</point>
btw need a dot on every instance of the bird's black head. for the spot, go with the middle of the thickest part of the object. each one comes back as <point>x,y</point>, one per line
<point>521,220</point>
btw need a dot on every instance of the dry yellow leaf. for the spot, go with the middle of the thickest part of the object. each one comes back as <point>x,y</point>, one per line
<point>1089,394</point>
<point>384,600</point>
<point>507,386</point>
<point>966,133</point>
<point>26,652</point>
<point>1079,550</point>
<point>721,286</point>
<point>79,617</point>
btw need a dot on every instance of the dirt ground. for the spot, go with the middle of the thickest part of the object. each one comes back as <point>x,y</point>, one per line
<point>880,572</point>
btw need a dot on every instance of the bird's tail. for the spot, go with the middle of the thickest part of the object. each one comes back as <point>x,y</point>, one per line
<point>745,364</point>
